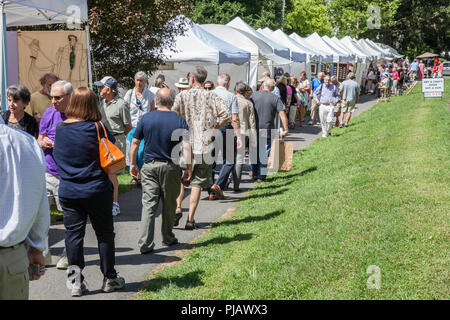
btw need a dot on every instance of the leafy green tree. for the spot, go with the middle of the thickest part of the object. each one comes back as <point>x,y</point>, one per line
<point>257,13</point>
<point>309,16</point>
<point>130,35</point>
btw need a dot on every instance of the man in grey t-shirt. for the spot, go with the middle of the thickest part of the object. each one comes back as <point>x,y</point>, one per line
<point>349,95</point>
<point>267,106</point>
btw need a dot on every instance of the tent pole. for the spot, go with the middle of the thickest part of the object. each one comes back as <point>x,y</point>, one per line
<point>4,57</point>
<point>89,50</point>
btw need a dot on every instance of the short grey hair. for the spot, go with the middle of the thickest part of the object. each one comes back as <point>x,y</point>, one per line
<point>333,78</point>
<point>141,75</point>
<point>200,74</point>
<point>241,87</point>
<point>165,101</point>
<point>223,79</point>
<point>321,73</point>
<point>67,86</point>
<point>19,92</point>
<point>269,84</point>
<point>351,76</point>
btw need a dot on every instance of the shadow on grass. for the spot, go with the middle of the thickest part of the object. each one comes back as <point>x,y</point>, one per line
<point>267,216</point>
<point>293,175</point>
<point>188,280</point>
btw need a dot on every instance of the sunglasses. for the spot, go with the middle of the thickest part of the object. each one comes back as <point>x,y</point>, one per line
<point>208,88</point>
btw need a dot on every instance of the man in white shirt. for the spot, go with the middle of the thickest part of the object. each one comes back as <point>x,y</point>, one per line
<point>24,211</point>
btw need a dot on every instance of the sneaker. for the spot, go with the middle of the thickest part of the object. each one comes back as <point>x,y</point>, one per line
<point>75,284</point>
<point>115,209</point>
<point>77,288</point>
<point>62,263</point>
<point>109,285</point>
<point>346,125</point>
<point>340,125</point>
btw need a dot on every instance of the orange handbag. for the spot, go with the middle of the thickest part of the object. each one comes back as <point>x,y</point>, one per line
<point>111,158</point>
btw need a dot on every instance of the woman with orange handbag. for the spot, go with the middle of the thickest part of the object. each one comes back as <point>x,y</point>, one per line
<point>85,189</point>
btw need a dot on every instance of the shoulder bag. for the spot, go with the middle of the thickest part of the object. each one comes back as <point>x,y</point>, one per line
<point>111,158</point>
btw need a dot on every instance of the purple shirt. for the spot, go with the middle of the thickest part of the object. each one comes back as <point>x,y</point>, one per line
<point>49,121</point>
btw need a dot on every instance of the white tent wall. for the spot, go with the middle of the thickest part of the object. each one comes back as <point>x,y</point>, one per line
<point>181,70</point>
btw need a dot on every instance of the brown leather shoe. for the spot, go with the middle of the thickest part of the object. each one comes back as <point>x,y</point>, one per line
<point>215,189</point>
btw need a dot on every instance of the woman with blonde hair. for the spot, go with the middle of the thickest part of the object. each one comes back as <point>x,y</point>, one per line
<point>85,189</point>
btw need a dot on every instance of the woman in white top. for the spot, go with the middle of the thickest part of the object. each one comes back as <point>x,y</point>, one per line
<point>140,101</point>
<point>304,88</point>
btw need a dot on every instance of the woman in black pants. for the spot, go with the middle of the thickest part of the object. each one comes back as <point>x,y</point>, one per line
<point>85,190</point>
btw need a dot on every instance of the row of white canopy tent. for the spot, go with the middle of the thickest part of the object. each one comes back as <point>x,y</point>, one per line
<point>243,52</point>
<point>37,12</point>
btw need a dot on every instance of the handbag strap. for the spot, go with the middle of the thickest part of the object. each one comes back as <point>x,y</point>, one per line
<point>104,130</point>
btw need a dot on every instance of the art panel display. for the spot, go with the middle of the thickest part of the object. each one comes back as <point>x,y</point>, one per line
<point>63,53</point>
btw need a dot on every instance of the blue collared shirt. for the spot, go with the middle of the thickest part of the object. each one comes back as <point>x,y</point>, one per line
<point>328,94</point>
<point>315,84</point>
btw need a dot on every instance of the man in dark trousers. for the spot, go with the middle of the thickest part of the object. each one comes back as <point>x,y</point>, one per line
<point>162,131</point>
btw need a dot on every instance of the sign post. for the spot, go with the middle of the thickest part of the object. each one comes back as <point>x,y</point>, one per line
<point>432,87</point>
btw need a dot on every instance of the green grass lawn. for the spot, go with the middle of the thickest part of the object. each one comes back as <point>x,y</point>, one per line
<point>374,194</point>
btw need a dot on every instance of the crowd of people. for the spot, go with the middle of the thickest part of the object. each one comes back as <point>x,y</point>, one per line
<point>386,80</point>
<point>172,141</point>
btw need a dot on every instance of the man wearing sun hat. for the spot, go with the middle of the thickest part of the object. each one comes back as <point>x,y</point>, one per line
<point>182,84</point>
<point>116,117</point>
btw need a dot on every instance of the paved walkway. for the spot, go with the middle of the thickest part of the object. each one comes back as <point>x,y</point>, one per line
<point>132,265</point>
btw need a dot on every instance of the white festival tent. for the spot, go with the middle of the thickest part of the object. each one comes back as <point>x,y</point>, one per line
<point>338,56</point>
<point>375,53</point>
<point>325,57</point>
<point>339,46</point>
<point>199,47</point>
<point>356,48</point>
<point>284,39</point>
<point>297,54</point>
<point>278,49</point>
<point>391,50</point>
<point>261,52</point>
<point>38,12</point>
<point>386,53</point>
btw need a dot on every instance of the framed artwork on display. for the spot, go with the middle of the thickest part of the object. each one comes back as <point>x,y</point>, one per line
<point>313,68</point>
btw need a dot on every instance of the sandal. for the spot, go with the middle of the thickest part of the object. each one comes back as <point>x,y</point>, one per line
<point>178,216</point>
<point>190,225</point>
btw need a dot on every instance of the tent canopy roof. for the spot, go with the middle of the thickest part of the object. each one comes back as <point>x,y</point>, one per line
<point>298,54</point>
<point>39,12</point>
<point>199,45</point>
<point>427,55</point>
<point>325,56</point>
<point>245,41</point>
<point>278,49</point>
<point>315,40</point>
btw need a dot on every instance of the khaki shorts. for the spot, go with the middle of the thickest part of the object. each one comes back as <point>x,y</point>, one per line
<point>121,143</point>
<point>337,107</point>
<point>201,172</point>
<point>348,106</point>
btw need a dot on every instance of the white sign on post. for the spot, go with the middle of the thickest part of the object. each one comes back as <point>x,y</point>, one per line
<point>432,85</point>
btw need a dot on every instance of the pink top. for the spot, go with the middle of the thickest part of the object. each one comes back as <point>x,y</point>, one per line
<point>395,75</point>
<point>441,67</point>
<point>288,95</point>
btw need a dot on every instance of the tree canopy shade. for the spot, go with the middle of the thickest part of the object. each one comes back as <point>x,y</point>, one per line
<point>131,35</point>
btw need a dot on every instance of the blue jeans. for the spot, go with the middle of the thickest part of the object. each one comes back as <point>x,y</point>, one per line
<point>228,162</point>
<point>259,168</point>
